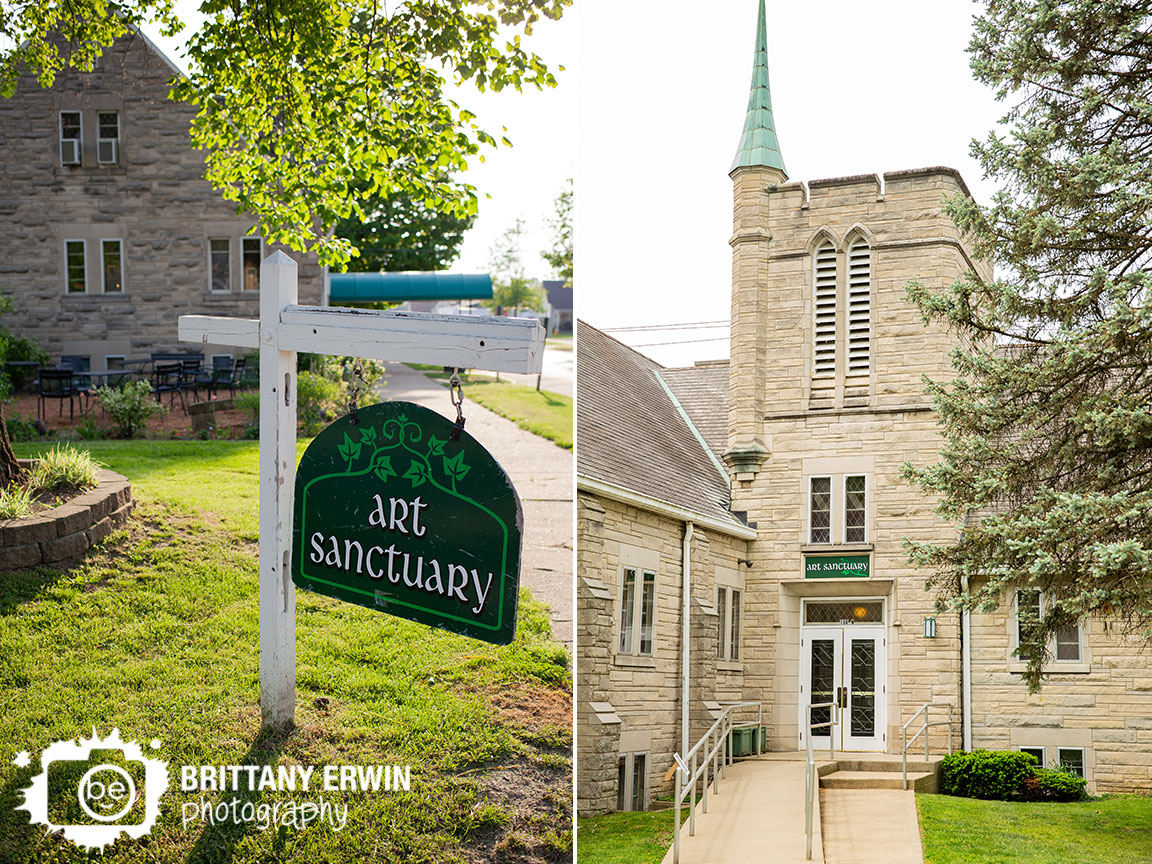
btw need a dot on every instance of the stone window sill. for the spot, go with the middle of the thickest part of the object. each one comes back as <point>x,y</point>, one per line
<point>632,662</point>
<point>230,295</point>
<point>1054,668</point>
<point>729,666</point>
<point>836,547</point>
<point>102,298</point>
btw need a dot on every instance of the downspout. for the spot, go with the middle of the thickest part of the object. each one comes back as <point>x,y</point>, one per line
<point>966,672</point>
<point>685,636</point>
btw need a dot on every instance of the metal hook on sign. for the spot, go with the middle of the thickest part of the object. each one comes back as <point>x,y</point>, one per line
<point>456,394</point>
<point>357,380</point>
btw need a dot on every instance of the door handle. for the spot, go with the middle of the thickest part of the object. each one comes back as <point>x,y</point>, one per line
<point>843,697</point>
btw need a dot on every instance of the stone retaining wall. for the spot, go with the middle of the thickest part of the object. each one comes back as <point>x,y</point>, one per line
<point>63,534</point>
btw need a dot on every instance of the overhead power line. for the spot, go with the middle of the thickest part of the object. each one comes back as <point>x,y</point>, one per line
<point>692,325</point>
<point>681,342</point>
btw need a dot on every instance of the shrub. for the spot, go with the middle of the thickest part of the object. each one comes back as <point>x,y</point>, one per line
<point>21,429</point>
<point>64,468</point>
<point>130,406</point>
<point>318,397</point>
<point>249,403</point>
<point>1050,784</point>
<point>15,502</point>
<point>88,430</point>
<point>994,775</point>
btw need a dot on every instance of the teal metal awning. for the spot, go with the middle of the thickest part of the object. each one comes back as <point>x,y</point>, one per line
<point>398,287</point>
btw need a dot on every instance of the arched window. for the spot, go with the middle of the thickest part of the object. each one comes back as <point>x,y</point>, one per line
<point>859,307</point>
<point>824,309</point>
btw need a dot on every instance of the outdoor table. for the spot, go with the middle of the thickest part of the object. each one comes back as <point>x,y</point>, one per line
<point>24,369</point>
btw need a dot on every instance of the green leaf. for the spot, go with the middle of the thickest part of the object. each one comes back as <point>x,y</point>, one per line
<point>418,473</point>
<point>454,466</point>
<point>435,446</point>
<point>382,467</point>
<point>368,436</point>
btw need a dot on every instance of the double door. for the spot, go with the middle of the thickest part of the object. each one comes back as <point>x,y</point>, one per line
<point>844,665</point>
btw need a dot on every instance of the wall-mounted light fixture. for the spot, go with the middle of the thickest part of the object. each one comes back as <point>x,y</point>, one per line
<point>929,628</point>
<point>744,561</point>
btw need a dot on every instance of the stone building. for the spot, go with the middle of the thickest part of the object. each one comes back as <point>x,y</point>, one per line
<point>110,230</point>
<point>790,513</point>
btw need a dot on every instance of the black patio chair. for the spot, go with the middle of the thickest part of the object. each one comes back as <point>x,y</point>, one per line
<point>166,379</point>
<point>222,376</point>
<point>81,383</point>
<point>190,376</point>
<point>56,384</point>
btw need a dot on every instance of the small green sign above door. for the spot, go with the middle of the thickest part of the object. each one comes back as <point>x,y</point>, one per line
<point>836,566</point>
<point>391,514</point>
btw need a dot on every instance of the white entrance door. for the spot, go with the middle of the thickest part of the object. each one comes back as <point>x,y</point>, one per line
<point>844,665</point>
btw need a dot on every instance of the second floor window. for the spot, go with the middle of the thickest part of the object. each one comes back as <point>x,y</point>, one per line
<point>220,263</point>
<point>251,263</point>
<point>70,138</point>
<point>76,266</point>
<point>1065,644</point>
<point>637,611</point>
<point>834,517</point>
<point>108,137</point>
<point>111,251</point>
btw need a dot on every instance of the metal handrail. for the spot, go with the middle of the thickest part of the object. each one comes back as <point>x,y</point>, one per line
<point>691,766</point>
<point>810,783</point>
<point>923,730</point>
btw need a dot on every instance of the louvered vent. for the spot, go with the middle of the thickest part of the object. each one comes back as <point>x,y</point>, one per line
<point>859,308</point>
<point>825,292</point>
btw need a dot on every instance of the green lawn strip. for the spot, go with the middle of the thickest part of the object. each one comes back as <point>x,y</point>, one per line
<point>642,837</point>
<point>540,412</point>
<point>157,634</point>
<point>1110,830</point>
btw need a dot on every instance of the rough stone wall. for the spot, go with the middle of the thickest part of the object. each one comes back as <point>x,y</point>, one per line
<point>643,690</point>
<point>154,200</point>
<point>1102,704</point>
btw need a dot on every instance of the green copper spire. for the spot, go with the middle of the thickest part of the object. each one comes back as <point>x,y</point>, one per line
<point>758,144</point>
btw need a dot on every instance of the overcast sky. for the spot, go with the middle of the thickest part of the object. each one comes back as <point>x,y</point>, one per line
<point>856,88</point>
<point>522,181</point>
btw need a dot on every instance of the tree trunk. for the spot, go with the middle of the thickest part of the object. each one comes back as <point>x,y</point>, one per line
<point>10,470</point>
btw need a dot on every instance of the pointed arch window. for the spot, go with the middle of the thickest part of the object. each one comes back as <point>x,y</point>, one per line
<point>859,307</point>
<point>824,307</point>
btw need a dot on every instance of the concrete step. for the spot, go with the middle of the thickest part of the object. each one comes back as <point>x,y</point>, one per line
<point>874,764</point>
<point>919,781</point>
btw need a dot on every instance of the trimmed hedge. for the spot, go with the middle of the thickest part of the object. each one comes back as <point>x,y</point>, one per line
<point>1049,784</point>
<point>993,775</point>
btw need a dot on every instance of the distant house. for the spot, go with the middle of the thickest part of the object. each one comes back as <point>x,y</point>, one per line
<point>109,231</point>
<point>559,305</point>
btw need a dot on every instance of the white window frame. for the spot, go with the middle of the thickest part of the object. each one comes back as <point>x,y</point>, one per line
<point>633,647</point>
<point>1052,647</point>
<point>243,253</point>
<point>629,790</point>
<point>100,139</point>
<point>108,358</point>
<point>67,277</point>
<point>1083,759</point>
<point>831,511</point>
<point>104,270</point>
<point>211,281</point>
<point>79,140</point>
<point>1041,748</point>
<point>731,627</point>
<point>844,514</point>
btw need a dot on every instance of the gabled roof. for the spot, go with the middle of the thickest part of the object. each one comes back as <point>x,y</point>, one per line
<point>632,435</point>
<point>703,393</point>
<point>559,294</point>
<point>758,145</point>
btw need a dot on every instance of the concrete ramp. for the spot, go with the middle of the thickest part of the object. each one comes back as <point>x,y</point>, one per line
<point>869,826</point>
<point>758,816</point>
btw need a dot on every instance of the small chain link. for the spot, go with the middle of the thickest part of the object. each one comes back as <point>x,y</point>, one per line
<point>357,380</point>
<point>456,394</point>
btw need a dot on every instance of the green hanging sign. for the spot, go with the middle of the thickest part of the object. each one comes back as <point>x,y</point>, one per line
<point>391,514</point>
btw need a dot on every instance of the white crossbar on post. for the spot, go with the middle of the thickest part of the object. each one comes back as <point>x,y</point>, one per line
<point>283,329</point>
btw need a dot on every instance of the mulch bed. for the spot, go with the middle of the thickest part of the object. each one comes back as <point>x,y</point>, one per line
<point>173,423</point>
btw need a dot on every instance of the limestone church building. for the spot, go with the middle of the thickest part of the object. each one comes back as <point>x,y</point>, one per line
<point>740,523</point>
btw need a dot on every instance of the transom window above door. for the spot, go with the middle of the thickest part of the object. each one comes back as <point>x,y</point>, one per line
<point>844,612</point>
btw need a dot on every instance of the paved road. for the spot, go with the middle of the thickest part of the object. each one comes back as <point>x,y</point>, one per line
<point>543,474</point>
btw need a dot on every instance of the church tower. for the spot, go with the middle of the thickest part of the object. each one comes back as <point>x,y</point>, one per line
<point>757,168</point>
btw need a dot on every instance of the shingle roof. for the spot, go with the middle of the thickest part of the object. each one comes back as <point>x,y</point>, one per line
<point>559,294</point>
<point>703,393</point>
<point>630,434</point>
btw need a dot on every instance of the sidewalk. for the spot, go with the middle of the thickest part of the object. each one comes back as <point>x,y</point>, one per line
<point>543,475</point>
<point>870,826</point>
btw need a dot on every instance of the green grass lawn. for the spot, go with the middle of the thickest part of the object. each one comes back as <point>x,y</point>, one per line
<point>1112,830</point>
<point>537,411</point>
<point>625,838</point>
<point>156,634</point>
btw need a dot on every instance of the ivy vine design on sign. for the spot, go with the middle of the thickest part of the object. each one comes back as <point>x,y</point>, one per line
<point>392,514</point>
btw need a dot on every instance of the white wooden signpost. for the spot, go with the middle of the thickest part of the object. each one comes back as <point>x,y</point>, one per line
<point>283,329</point>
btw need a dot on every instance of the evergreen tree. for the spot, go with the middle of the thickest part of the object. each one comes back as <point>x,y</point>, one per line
<point>1047,458</point>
